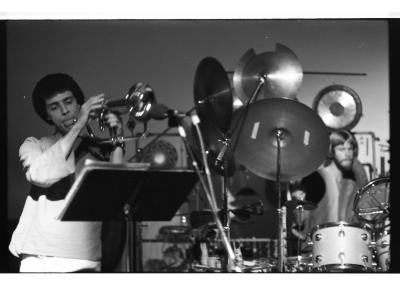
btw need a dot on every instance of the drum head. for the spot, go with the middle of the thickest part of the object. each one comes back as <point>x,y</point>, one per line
<point>343,224</point>
<point>372,201</point>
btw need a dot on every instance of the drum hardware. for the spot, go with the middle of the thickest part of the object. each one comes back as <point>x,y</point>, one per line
<point>278,74</point>
<point>334,73</point>
<point>253,77</point>
<point>299,263</point>
<point>214,105</point>
<point>382,245</point>
<point>260,151</point>
<point>301,204</point>
<point>273,72</point>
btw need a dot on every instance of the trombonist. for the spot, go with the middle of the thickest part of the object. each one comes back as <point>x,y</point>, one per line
<point>43,243</point>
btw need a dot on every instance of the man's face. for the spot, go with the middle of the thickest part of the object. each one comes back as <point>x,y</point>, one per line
<point>62,110</point>
<point>344,155</point>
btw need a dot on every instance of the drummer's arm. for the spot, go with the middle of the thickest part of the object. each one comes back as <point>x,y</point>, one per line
<point>300,225</point>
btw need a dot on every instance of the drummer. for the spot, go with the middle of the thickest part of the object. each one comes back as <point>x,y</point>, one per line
<point>343,176</point>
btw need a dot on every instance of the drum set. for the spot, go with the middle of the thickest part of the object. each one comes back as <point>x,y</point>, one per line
<point>278,138</point>
<point>330,247</point>
<point>362,247</point>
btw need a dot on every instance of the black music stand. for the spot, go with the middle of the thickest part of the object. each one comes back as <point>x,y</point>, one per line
<point>105,191</point>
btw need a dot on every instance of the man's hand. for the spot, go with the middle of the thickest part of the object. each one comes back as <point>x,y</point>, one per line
<point>114,122</point>
<point>88,110</point>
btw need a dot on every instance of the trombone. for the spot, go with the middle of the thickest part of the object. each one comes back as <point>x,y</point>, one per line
<point>136,103</point>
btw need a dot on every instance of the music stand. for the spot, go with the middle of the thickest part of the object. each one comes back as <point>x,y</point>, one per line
<point>103,191</point>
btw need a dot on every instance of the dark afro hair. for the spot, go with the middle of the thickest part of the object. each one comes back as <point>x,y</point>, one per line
<point>51,85</point>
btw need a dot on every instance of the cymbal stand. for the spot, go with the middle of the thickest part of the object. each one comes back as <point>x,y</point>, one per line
<point>243,113</point>
<point>300,210</point>
<point>279,135</point>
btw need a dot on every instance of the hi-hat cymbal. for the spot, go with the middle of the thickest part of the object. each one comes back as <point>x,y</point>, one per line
<point>281,71</point>
<point>304,139</point>
<point>212,94</point>
<point>307,205</point>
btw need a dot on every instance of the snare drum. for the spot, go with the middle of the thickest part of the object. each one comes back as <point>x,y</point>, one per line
<point>340,246</point>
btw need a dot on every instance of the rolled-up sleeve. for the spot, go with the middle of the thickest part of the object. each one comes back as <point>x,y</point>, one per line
<point>44,167</point>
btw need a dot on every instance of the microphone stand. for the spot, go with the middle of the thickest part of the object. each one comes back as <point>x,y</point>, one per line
<point>175,121</point>
<point>222,162</point>
<point>227,220</point>
<point>211,202</point>
<point>220,158</point>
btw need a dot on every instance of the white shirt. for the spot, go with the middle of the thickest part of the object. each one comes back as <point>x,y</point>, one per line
<point>38,232</point>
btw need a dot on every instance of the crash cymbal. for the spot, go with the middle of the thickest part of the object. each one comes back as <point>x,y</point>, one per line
<point>281,70</point>
<point>238,75</point>
<point>338,106</point>
<point>307,205</point>
<point>304,139</point>
<point>212,94</point>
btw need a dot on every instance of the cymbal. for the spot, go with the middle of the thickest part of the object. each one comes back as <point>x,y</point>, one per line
<point>212,94</point>
<point>304,139</point>
<point>238,75</point>
<point>281,70</point>
<point>339,107</point>
<point>307,205</point>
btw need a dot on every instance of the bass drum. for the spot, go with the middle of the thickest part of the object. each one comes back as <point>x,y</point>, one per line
<point>371,203</point>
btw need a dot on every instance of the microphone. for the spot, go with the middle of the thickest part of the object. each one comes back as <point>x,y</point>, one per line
<point>161,112</point>
<point>221,154</point>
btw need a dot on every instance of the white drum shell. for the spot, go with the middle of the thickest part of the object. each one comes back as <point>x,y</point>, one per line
<point>341,246</point>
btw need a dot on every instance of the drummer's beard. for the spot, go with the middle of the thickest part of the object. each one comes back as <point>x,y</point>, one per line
<point>344,165</point>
